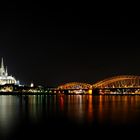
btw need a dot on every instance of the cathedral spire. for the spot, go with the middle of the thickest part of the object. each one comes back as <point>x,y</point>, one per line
<point>2,71</point>
<point>4,78</point>
<point>6,72</point>
<point>2,64</point>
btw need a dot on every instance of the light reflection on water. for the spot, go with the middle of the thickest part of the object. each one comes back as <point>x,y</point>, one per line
<point>85,110</point>
<point>9,107</point>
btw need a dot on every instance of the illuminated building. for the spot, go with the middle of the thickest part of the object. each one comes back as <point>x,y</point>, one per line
<point>4,77</point>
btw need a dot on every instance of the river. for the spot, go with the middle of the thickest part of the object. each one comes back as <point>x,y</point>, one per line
<point>39,116</point>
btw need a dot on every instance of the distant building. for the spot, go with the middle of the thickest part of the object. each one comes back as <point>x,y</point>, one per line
<point>4,77</point>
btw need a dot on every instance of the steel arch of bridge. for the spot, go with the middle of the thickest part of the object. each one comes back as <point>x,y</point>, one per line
<point>123,81</point>
<point>75,85</point>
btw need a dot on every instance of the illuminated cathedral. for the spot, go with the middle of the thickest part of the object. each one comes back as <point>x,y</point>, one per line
<point>4,77</point>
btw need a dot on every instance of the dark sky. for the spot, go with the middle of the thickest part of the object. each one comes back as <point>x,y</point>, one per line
<point>54,46</point>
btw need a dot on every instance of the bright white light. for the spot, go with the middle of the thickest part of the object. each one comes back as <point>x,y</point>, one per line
<point>32,85</point>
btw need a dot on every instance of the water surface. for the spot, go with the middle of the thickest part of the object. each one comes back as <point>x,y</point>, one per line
<point>38,116</point>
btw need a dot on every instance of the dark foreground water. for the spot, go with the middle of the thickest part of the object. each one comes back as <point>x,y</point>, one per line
<point>69,116</point>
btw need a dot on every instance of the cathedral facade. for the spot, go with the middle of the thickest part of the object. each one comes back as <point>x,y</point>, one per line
<point>4,77</point>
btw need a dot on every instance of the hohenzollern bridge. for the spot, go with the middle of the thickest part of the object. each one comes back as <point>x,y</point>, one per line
<point>116,82</point>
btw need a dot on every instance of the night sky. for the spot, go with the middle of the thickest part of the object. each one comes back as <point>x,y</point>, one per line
<point>55,46</point>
